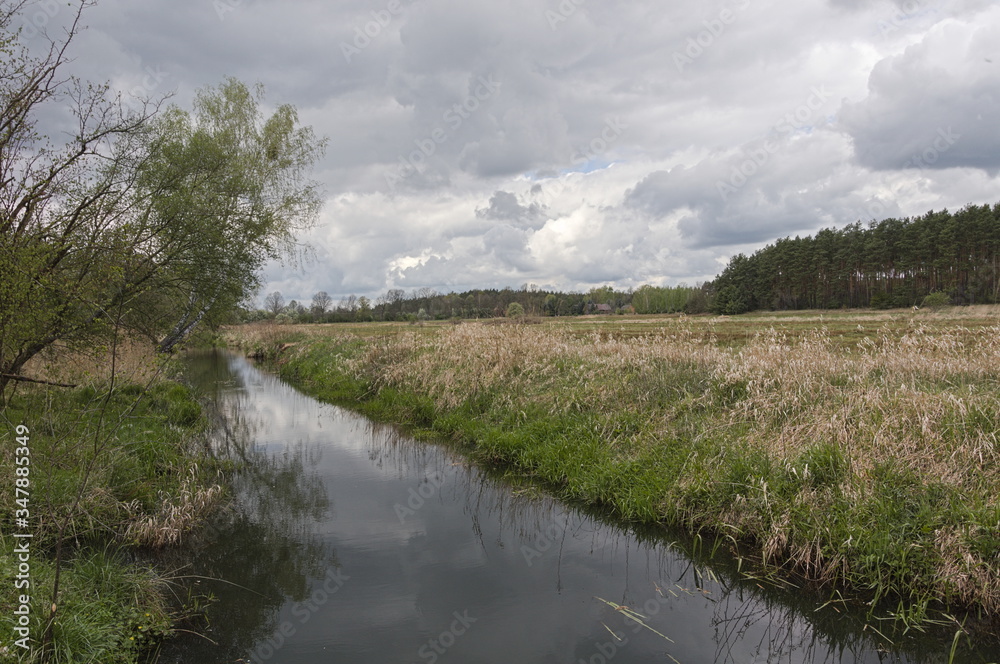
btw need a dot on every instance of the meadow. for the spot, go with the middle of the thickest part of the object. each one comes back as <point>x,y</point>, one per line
<point>851,452</point>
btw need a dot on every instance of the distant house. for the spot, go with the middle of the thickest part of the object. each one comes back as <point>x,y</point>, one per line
<point>603,309</point>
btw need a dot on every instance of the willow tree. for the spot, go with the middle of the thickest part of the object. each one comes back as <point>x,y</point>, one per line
<point>145,218</point>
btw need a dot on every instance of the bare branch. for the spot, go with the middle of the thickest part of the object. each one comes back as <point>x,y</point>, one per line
<point>25,379</point>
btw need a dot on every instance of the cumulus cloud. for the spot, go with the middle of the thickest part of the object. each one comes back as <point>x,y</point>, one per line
<point>487,144</point>
<point>504,206</point>
<point>936,105</point>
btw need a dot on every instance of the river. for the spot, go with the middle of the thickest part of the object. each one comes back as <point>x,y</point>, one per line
<point>348,541</point>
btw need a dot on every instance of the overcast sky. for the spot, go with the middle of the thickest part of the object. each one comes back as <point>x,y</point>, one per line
<point>489,143</point>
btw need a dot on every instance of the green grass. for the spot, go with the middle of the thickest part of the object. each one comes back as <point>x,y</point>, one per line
<point>110,611</point>
<point>102,467</point>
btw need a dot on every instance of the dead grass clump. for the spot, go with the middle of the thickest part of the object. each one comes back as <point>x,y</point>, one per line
<point>177,514</point>
<point>916,396</point>
<point>964,575</point>
<point>520,363</point>
<point>261,340</point>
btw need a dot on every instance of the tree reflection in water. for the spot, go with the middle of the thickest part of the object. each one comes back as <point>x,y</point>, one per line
<point>263,550</point>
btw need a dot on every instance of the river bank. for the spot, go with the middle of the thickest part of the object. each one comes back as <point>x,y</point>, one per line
<point>853,454</point>
<point>348,540</point>
<point>105,469</point>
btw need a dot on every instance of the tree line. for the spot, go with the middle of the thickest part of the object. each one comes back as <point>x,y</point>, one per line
<point>939,257</point>
<point>953,257</point>
<point>427,304</point>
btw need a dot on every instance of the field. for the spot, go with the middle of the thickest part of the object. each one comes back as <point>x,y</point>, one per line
<point>853,452</point>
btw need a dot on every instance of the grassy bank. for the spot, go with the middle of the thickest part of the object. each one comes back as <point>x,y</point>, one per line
<point>113,469</point>
<point>855,453</point>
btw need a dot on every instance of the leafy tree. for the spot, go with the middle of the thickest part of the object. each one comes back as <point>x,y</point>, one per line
<point>731,301</point>
<point>603,295</point>
<point>736,286</point>
<point>514,310</point>
<point>364,311</point>
<point>159,220</point>
<point>697,301</point>
<point>936,300</point>
<point>231,187</point>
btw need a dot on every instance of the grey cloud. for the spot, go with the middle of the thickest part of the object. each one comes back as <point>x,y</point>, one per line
<point>504,206</point>
<point>935,106</point>
<point>731,199</point>
<point>510,246</point>
<point>658,213</point>
<point>458,275</point>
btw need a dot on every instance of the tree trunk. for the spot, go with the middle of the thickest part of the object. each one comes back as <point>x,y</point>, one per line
<point>184,326</point>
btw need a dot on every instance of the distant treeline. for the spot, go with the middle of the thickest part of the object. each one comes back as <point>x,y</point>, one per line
<point>950,258</point>
<point>528,300</point>
<point>955,258</point>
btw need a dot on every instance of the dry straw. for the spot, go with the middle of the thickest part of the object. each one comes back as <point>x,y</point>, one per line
<point>176,516</point>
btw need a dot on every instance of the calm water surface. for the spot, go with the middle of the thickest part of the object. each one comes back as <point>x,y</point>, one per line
<point>349,542</point>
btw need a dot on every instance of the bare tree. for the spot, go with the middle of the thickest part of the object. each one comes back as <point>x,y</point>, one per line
<point>274,303</point>
<point>321,303</point>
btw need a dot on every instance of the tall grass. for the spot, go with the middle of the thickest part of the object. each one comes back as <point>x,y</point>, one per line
<point>868,464</point>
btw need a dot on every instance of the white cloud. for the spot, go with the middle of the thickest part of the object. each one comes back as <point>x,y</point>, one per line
<point>597,159</point>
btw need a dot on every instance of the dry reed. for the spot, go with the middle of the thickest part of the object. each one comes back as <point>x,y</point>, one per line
<point>177,514</point>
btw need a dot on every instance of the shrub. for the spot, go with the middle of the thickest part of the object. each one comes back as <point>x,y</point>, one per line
<point>936,300</point>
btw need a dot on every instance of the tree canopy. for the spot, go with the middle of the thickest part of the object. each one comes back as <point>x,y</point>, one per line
<point>890,263</point>
<point>146,219</point>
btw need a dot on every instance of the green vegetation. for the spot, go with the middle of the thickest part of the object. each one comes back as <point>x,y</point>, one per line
<point>935,300</point>
<point>853,454</point>
<point>891,263</point>
<point>396,305</point>
<point>112,470</point>
<point>514,310</point>
<point>144,220</point>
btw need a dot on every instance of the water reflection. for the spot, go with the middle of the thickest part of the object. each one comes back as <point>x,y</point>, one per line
<point>349,542</point>
<point>263,551</point>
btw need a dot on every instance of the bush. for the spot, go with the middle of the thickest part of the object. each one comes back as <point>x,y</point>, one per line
<point>936,300</point>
